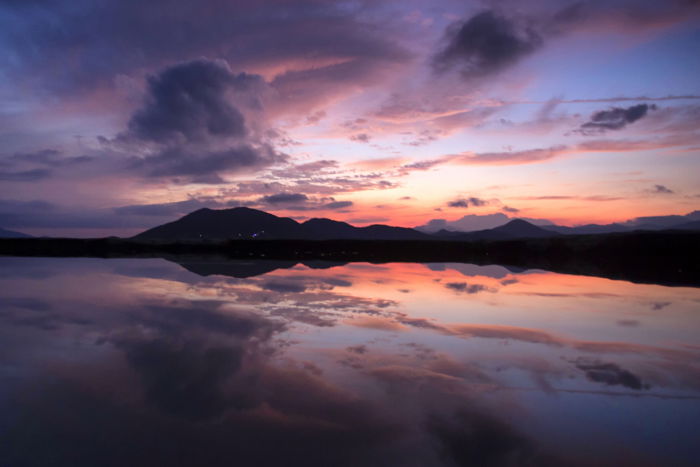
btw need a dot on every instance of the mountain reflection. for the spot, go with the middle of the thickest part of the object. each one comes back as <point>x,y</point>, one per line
<point>146,362</point>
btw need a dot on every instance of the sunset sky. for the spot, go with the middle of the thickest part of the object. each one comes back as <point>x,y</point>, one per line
<point>119,115</point>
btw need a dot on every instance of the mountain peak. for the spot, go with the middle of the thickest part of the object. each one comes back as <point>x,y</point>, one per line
<point>519,226</point>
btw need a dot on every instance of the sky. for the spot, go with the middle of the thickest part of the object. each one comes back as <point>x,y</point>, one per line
<point>119,115</point>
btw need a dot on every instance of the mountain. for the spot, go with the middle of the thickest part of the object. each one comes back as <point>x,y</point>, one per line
<point>517,228</point>
<point>12,234</point>
<point>246,223</point>
<point>662,222</point>
<point>694,225</point>
<point>589,229</point>
<point>474,222</point>
<point>232,268</point>
<point>219,224</point>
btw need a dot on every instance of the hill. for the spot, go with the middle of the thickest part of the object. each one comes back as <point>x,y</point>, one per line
<point>245,223</point>
<point>695,225</point>
<point>12,234</point>
<point>515,229</point>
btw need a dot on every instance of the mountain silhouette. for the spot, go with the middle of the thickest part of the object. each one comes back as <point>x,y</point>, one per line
<point>12,234</point>
<point>589,229</point>
<point>220,224</point>
<point>245,223</point>
<point>237,269</point>
<point>694,225</point>
<point>517,228</point>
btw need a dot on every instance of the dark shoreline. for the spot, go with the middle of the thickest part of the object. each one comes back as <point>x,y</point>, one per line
<point>665,258</point>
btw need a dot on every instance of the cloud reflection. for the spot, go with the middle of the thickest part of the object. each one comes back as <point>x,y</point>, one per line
<point>152,364</point>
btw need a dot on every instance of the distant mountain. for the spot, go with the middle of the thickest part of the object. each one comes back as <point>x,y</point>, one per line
<point>589,229</point>
<point>246,223</point>
<point>12,234</point>
<point>473,222</point>
<point>662,222</point>
<point>517,228</point>
<point>694,225</point>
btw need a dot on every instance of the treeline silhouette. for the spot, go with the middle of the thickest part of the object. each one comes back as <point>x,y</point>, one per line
<point>668,258</point>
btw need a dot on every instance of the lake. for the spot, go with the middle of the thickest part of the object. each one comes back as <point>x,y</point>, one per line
<point>130,362</point>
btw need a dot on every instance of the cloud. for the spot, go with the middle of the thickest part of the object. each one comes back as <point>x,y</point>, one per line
<point>302,202</point>
<point>31,175</point>
<point>615,118</point>
<point>189,102</point>
<point>283,286</point>
<point>189,127</point>
<point>661,189</point>
<point>270,35</point>
<point>360,138</point>
<point>486,43</point>
<point>198,167</point>
<point>165,209</point>
<point>283,198</point>
<point>492,40</point>
<point>337,205</point>
<point>610,374</point>
<point>466,202</point>
<point>463,287</point>
<point>37,165</point>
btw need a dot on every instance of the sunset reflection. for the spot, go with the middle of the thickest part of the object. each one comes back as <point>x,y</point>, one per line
<point>146,361</point>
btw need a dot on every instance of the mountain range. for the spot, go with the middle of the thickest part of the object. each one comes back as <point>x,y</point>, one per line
<point>246,223</point>
<point>473,223</point>
<point>4,233</point>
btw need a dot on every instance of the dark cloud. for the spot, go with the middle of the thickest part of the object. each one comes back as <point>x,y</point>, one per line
<point>87,43</point>
<point>628,322</point>
<point>37,165</point>
<point>460,203</point>
<point>486,43</point>
<point>466,202</point>
<point>282,286</point>
<point>39,214</point>
<point>31,175</point>
<point>205,167</point>
<point>163,209</point>
<point>610,374</point>
<point>659,305</point>
<point>188,126</point>
<point>337,205</point>
<point>615,118</point>
<point>189,101</point>
<point>358,349</point>
<point>283,198</point>
<point>661,189</point>
<point>360,138</point>
<point>493,40</point>
<point>468,438</point>
<point>185,380</point>
<point>463,287</point>
<point>44,157</point>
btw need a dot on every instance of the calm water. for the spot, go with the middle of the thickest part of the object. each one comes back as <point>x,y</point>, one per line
<point>148,362</point>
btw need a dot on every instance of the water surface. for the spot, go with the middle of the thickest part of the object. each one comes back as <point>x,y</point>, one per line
<point>149,362</point>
